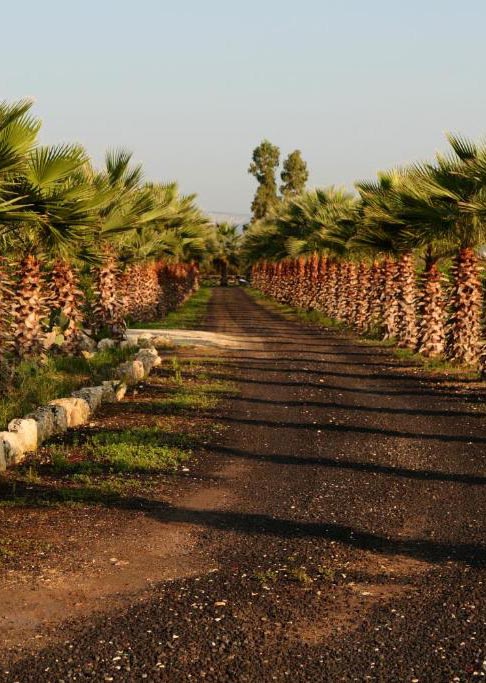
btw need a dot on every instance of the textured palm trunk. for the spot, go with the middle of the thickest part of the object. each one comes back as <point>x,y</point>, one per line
<point>331,293</point>
<point>29,309</point>
<point>301,283</point>
<point>294,282</point>
<point>407,303</point>
<point>108,309</point>
<point>6,294</point>
<point>311,279</point>
<point>322,289</point>
<point>342,291</point>
<point>464,334</point>
<point>351,306</point>
<point>390,299</point>
<point>375,297</point>
<point>286,281</point>
<point>432,310</point>
<point>66,299</point>
<point>363,303</point>
<point>139,290</point>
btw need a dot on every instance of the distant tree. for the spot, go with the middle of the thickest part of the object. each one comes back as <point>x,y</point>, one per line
<point>294,175</point>
<point>227,247</point>
<point>264,165</point>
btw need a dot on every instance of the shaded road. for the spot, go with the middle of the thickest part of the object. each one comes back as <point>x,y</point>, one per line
<point>351,547</point>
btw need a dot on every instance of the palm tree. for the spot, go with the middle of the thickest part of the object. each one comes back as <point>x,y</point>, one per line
<point>64,212</point>
<point>453,190</point>
<point>18,133</point>
<point>226,253</point>
<point>383,231</point>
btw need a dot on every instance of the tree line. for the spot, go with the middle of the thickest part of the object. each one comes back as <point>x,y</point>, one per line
<point>85,247</point>
<point>401,257</point>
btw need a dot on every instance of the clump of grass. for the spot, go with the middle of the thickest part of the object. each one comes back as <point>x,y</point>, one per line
<point>183,400</point>
<point>300,575</point>
<point>136,450</point>
<point>438,364</point>
<point>176,371</point>
<point>265,577</point>
<point>6,551</point>
<point>326,572</point>
<point>188,316</point>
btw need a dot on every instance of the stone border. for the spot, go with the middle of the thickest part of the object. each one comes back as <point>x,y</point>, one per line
<point>25,435</point>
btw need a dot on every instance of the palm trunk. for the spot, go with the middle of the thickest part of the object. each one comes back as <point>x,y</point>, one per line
<point>331,296</point>
<point>464,334</point>
<point>390,299</point>
<point>362,313</point>
<point>407,300</point>
<point>66,300</point>
<point>29,308</point>
<point>351,294</point>
<point>108,310</point>
<point>432,309</point>
<point>321,302</point>
<point>374,316</point>
<point>341,290</point>
<point>223,273</point>
<point>5,309</point>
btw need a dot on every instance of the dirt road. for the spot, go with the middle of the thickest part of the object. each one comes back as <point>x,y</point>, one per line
<point>349,544</point>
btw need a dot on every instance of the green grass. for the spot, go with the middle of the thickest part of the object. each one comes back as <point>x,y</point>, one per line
<point>191,391</point>
<point>189,316</point>
<point>140,449</point>
<point>184,400</point>
<point>121,466</point>
<point>35,383</point>
<point>439,364</point>
<point>108,467</point>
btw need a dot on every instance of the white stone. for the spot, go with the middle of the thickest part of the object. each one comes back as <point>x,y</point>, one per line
<point>77,410</point>
<point>51,420</point>
<point>27,432</point>
<point>149,359</point>
<point>130,372</point>
<point>12,448</point>
<point>161,342</point>
<point>113,390</point>
<point>86,343</point>
<point>144,340</point>
<point>106,344</point>
<point>92,395</point>
<point>129,343</point>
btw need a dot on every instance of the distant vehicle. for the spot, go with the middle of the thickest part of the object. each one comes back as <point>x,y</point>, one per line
<point>243,282</point>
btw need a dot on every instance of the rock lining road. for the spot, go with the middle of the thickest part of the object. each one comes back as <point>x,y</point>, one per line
<point>351,546</point>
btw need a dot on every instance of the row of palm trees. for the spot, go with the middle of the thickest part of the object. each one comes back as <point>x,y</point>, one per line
<point>401,257</point>
<point>69,230</point>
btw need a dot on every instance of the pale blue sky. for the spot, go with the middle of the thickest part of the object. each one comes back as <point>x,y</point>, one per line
<point>191,87</point>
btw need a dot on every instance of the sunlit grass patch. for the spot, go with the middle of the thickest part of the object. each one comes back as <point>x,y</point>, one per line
<point>188,316</point>
<point>142,450</point>
<point>183,401</point>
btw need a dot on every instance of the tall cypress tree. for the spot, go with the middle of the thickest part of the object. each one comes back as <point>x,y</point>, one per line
<point>294,175</point>
<point>264,165</point>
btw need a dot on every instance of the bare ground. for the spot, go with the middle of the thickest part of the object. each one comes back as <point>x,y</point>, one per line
<point>332,531</point>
